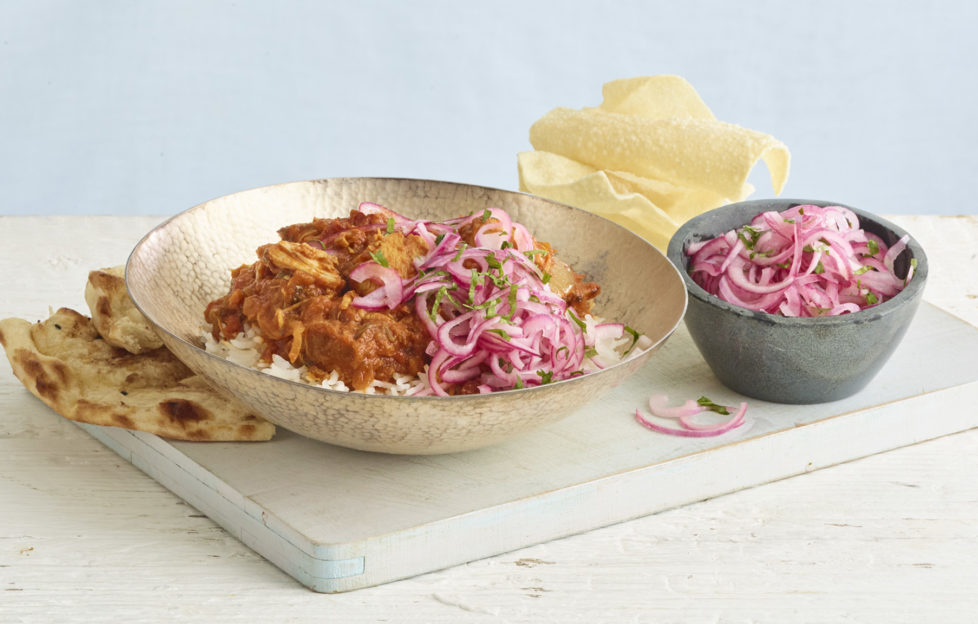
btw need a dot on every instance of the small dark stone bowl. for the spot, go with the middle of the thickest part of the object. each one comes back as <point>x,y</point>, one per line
<point>795,360</point>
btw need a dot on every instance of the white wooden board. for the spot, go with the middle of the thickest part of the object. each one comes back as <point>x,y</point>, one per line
<point>339,520</point>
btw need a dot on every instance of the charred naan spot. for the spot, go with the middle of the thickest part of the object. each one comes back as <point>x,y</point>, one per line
<point>46,387</point>
<point>183,412</point>
<point>123,421</point>
<point>103,306</point>
<point>3,341</point>
<point>246,430</point>
<point>198,435</point>
<point>61,370</point>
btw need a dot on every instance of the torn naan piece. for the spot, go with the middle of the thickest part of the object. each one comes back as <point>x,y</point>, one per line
<point>115,316</point>
<point>65,363</point>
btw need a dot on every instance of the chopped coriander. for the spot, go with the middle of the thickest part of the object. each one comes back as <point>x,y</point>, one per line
<point>439,296</point>
<point>581,324</point>
<point>512,301</point>
<point>871,298</point>
<point>486,214</point>
<point>635,336</point>
<point>546,376</point>
<point>819,268</point>
<point>494,262</point>
<point>476,280</point>
<point>500,332</point>
<point>545,278</point>
<point>461,250</point>
<point>874,247</point>
<point>390,225</point>
<point>379,258</point>
<point>711,406</point>
<point>862,269</point>
<point>439,238</point>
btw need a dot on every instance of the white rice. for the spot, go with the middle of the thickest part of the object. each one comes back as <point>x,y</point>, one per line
<point>245,349</point>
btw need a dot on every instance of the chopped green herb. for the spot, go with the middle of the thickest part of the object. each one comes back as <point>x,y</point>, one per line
<point>862,269</point>
<point>711,406</point>
<point>494,262</point>
<point>871,298</point>
<point>461,250</point>
<point>390,225</point>
<point>317,241</point>
<point>635,336</point>
<point>545,376</point>
<point>581,324</point>
<point>486,214</point>
<point>512,301</point>
<point>545,278</point>
<point>379,258</point>
<point>439,238</point>
<point>533,252</point>
<point>819,268</point>
<point>442,294</point>
<point>874,247</point>
<point>501,333</point>
<point>505,245</point>
<point>476,280</point>
<point>519,383</point>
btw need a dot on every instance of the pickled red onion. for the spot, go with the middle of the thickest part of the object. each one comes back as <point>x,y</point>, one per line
<point>805,261</point>
<point>488,309</point>
<point>658,407</point>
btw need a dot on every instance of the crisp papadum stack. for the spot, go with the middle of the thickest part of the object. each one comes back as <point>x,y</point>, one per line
<point>120,378</point>
<point>651,156</point>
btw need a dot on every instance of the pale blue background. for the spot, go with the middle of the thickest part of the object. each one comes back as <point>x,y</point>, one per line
<point>151,107</point>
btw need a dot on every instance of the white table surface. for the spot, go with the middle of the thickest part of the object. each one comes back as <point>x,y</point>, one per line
<point>85,536</point>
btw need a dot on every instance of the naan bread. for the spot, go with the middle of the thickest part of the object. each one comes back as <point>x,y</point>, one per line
<point>65,362</point>
<point>115,316</point>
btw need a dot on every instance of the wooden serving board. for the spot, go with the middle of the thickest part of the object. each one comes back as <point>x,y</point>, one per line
<point>338,520</point>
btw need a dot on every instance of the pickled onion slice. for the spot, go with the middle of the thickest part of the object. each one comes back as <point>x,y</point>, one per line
<point>659,407</point>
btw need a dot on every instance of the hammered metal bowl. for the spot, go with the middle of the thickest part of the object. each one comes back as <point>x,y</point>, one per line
<point>184,263</point>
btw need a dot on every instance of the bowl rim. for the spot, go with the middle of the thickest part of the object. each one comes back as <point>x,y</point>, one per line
<point>327,392</point>
<point>676,254</point>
